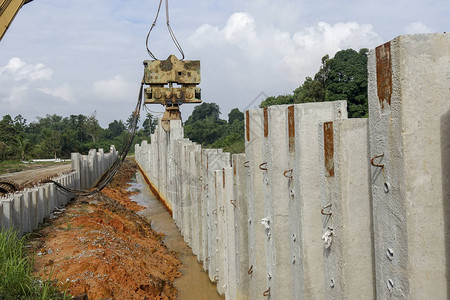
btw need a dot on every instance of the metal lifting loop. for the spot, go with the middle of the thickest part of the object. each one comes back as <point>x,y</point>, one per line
<point>172,34</point>
<point>326,213</point>
<point>233,202</point>
<point>263,168</point>
<point>250,271</point>
<point>377,165</point>
<point>246,164</point>
<point>266,293</point>
<point>288,172</point>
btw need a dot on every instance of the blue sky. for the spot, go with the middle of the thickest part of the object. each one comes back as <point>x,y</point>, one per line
<point>70,57</point>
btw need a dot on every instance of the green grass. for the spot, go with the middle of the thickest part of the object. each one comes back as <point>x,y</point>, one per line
<point>16,280</point>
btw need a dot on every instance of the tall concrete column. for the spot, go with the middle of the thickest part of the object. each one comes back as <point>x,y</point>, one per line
<point>76,166</point>
<point>346,201</point>
<point>7,212</point>
<point>84,174</point>
<point>409,144</point>
<point>17,211</point>
<point>26,209</point>
<point>92,163</point>
<point>215,162</point>
<point>40,204</point>
<point>221,238</point>
<point>241,224</point>
<point>256,233</point>
<point>205,196</point>
<point>101,162</point>
<point>195,185</point>
<point>230,208</point>
<point>34,213</point>
<point>176,133</point>
<point>277,199</point>
<point>305,210</point>
<point>186,195</point>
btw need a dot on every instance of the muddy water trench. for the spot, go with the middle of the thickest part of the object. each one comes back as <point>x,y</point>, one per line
<point>194,284</point>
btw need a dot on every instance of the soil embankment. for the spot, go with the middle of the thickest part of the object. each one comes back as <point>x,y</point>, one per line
<point>99,247</point>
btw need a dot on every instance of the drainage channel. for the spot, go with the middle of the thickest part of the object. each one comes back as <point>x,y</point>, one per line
<point>194,284</point>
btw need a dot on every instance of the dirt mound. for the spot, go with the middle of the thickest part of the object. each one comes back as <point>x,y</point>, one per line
<point>100,248</point>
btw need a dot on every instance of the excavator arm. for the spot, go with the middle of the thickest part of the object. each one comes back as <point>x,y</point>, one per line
<point>8,10</point>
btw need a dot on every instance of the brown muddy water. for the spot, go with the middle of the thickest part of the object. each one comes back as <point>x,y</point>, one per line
<point>194,284</point>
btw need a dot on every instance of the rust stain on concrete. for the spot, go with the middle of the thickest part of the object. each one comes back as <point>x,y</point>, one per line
<point>291,128</point>
<point>384,73</point>
<point>247,125</point>
<point>329,148</point>
<point>223,177</point>
<point>266,122</point>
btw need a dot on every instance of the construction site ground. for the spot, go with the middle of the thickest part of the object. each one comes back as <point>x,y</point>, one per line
<point>35,172</point>
<point>98,247</point>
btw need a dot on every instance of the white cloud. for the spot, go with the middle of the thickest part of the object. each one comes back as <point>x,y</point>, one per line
<point>63,92</point>
<point>16,97</point>
<point>115,89</point>
<point>20,70</point>
<point>290,55</point>
<point>418,27</point>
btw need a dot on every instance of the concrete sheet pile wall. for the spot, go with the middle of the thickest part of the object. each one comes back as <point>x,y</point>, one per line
<point>409,106</point>
<point>321,206</point>
<point>26,209</point>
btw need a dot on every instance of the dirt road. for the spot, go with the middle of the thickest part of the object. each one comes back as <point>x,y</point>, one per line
<point>30,177</point>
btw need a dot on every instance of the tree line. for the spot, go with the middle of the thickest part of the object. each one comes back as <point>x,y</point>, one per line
<point>343,77</point>
<point>54,136</point>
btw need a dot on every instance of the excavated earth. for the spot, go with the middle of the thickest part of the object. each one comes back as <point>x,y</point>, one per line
<point>99,248</point>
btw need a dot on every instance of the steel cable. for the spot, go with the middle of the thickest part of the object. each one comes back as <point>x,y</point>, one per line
<point>172,34</point>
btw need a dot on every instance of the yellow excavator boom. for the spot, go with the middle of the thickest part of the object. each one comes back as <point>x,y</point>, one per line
<point>8,10</point>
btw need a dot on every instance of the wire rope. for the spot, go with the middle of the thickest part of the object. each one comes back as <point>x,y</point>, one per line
<point>169,28</point>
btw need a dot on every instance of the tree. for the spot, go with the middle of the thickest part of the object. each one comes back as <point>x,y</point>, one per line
<point>92,128</point>
<point>205,131</point>
<point>343,77</point>
<point>131,119</point>
<point>23,146</point>
<point>8,134</point>
<point>310,91</point>
<point>51,143</point>
<point>115,129</point>
<point>203,111</point>
<point>278,100</point>
<point>347,80</point>
<point>235,114</point>
<point>149,124</point>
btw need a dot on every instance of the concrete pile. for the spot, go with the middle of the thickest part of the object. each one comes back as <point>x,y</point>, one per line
<point>26,209</point>
<point>321,206</point>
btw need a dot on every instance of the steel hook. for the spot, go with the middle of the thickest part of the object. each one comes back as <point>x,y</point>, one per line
<point>288,172</point>
<point>266,293</point>
<point>233,202</point>
<point>263,168</point>
<point>377,165</point>
<point>328,213</point>
<point>246,164</point>
<point>250,271</point>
